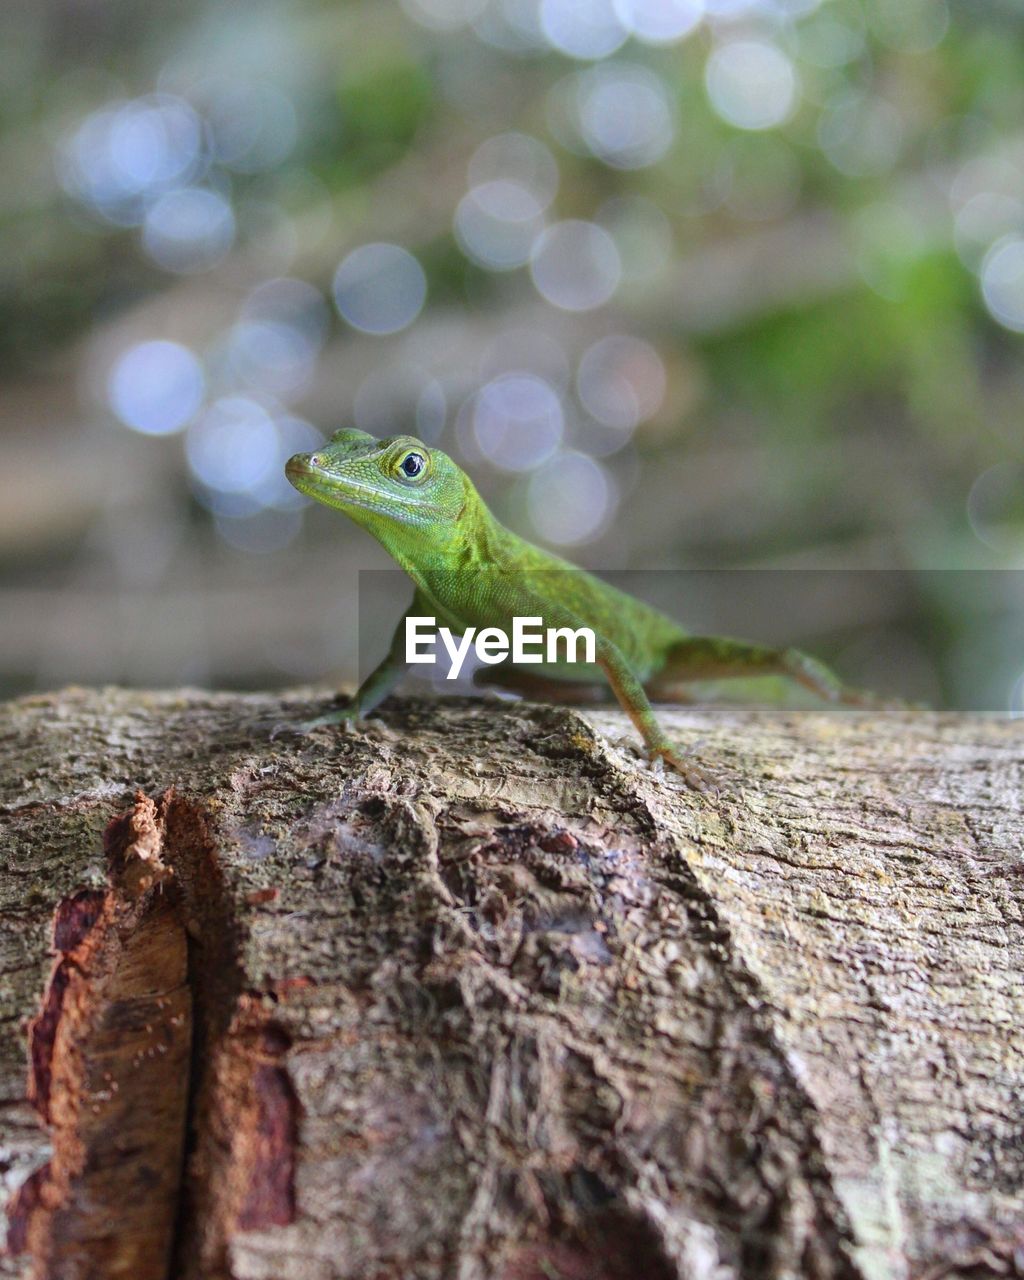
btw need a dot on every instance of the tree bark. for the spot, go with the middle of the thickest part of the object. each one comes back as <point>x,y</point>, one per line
<point>471,993</point>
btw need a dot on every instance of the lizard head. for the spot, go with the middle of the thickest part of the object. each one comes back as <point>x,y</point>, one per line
<point>398,488</point>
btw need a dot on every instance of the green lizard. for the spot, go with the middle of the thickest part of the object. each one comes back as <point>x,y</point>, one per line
<point>470,571</point>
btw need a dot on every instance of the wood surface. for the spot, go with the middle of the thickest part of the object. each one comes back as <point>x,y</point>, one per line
<point>470,992</point>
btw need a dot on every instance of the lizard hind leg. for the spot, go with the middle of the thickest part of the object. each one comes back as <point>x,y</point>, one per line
<point>715,658</point>
<point>814,675</point>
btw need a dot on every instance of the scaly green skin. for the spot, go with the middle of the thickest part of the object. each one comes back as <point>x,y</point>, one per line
<point>469,570</point>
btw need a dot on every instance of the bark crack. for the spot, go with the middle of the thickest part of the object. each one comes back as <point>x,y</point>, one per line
<point>160,1081</point>
<point>109,1054</point>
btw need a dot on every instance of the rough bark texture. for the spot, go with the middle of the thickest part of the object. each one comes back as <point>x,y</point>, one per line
<point>471,993</point>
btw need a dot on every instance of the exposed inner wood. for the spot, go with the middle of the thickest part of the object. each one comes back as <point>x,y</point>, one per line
<point>110,1071</point>
<point>109,1054</point>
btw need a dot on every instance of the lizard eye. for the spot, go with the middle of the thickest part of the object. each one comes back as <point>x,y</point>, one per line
<point>412,465</point>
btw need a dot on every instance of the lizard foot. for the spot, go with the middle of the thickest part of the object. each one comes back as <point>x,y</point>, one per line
<point>343,716</point>
<point>685,764</point>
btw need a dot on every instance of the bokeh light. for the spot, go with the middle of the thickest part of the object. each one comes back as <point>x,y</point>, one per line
<point>236,452</point>
<point>122,156</point>
<point>380,288</point>
<point>911,26</point>
<point>660,21</point>
<point>995,509</point>
<point>752,84</point>
<point>516,157</point>
<point>1002,282</point>
<point>188,230</point>
<point>888,237</point>
<point>252,126</point>
<point>156,387</point>
<point>571,499</point>
<point>517,421</point>
<point>294,435</point>
<point>582,28</point>
<point>278,337</point>
<point>518,350</point>
<point>832,38</point>
<point>625,115</point>
<point>986,196</point>
<point>575,265</point>
<point>621,382</point>
<point>497,223</point>
<point>861,134</point>
<point>984,219</point>
<point>233,447</point>
<point>728,11</point>
<point>513,26</point>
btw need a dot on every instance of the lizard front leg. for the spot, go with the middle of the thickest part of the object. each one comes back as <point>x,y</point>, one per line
<point>374,689</point>
<point>634,701</point>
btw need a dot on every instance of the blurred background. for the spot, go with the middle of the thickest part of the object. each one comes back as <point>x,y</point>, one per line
<point>687,285</point>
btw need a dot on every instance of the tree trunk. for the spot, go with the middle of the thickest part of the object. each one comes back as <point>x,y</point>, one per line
<point>471,993</point>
